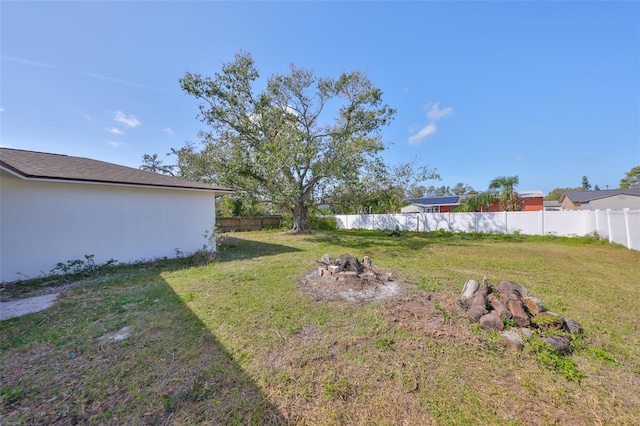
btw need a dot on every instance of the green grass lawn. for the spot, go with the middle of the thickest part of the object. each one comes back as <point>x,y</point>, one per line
<point>237,342</point>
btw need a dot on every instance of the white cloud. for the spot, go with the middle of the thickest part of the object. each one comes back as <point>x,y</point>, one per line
<point>25,61</point>
<point>115,80</point>
<point>434,114</point>
<point>423,133</point>
<point>114,144</point>
<point>169,131</point>
<point>1,109</point>
<point>130,120</point>
<point>114,130</point>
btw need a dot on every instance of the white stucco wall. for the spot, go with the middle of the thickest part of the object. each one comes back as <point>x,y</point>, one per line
<point>43,223</point>
<point>616,202</point>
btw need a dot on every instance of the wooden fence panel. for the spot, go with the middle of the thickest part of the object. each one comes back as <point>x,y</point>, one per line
<point>228,224</point>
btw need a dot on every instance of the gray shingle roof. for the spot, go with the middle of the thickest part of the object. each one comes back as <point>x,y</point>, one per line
<point>586,196</point>
<point>41,165</point>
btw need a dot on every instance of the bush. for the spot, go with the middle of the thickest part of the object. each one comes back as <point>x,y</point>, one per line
<point>322,223</point>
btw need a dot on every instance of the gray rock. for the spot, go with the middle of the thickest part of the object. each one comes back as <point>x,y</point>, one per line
<point>491,321</point>
<point>572,326</point>
<point>470,287</point>
<point>561,344</point>
<point>526,332</point>
<point>512,339</point>
<point>533,305</point>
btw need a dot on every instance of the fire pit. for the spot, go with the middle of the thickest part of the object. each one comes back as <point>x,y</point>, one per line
<point>347,278</point>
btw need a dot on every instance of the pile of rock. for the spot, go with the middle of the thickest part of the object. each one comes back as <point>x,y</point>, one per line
<point>347,266</point>
<point>510,303</point>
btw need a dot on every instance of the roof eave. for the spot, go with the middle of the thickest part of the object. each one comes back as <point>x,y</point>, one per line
<point>35,178</point>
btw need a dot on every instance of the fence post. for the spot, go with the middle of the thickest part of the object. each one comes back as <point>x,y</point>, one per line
<point>609,225</point>
<point>627,228</point>
<point>506,226</point>
<point>542,222</point>
<point>475,221</point>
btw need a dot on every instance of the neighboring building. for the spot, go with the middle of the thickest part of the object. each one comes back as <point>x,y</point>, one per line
<point>533,201</point>
<point>552,205</point>
<point>56,208</point>
<point>615,199</point>
<point>432,205</point>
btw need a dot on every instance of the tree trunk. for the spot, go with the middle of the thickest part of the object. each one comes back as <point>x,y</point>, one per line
<point>300,217</point>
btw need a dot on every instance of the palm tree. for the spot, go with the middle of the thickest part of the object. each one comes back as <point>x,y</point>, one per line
<point>477,202</point>
<point>504,186</point>
<point>501,188</point>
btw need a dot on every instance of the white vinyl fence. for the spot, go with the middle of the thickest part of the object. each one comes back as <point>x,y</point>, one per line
<point>618,226</point>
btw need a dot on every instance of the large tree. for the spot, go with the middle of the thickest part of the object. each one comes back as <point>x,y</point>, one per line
<point>287,140</point>
<point>631,179</point>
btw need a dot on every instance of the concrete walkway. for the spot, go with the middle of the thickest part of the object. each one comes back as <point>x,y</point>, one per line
<point>21,307</point>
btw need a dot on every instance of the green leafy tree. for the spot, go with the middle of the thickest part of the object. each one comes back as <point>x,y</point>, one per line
<point>631,179</point>
<point>151,163</point>
<point>442,191</point>
<point>241,204</point>
<point>281,143</point>
<point>462,189</point>
<point>557,193</point>
<point>586,186</point>
<point>417,192</point>
<point>380,189</point>
<point>437,191</point>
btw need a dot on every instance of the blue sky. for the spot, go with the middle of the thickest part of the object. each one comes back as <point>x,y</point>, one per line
<point>548,91</point>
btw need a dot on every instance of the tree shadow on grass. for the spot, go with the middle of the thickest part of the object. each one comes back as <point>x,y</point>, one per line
<point>125,351</point>
<point>363,239</point>
<point>233,248</point>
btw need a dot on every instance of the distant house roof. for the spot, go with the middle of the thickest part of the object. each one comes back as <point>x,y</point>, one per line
<point>32,165</point>
<point>455,200</point>
<point>436,201</point>
<point>586,196</point>
<point>530,194</point>
<point>551,203</point>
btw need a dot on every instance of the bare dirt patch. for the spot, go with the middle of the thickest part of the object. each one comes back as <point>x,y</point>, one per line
<point>433,314</point>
